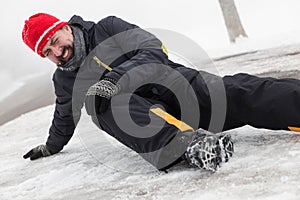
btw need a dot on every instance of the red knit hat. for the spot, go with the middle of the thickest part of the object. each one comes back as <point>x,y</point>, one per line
<point>38,29</point>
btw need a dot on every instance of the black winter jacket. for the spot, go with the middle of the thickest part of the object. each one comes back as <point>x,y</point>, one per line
<point>135,48</point>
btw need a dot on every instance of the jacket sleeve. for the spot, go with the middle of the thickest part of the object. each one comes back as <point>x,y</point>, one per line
<point>64,119</point>
<point>142,49</point>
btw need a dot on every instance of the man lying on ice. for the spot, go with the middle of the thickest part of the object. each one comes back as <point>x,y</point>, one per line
<point>158,108</point>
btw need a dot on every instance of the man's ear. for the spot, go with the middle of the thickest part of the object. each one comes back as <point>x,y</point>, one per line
<point>68,28</point>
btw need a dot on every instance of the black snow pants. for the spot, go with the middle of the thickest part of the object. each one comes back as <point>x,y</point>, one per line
<point>156,116</point>
<point>262,102</point>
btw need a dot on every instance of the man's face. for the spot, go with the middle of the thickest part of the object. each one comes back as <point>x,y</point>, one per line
<point>59,48</point>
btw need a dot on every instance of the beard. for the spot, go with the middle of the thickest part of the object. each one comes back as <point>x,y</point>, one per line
<point>61,60</point>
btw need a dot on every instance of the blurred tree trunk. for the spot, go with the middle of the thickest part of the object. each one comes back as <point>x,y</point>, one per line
<point>232,20</point>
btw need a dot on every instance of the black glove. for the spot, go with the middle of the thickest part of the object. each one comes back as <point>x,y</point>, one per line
<point>101,91</point>
<point>38,152</point>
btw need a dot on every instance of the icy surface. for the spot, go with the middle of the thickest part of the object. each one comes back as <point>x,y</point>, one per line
<point>265,166</point>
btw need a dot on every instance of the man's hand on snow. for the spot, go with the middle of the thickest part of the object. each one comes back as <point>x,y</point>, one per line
<point>38,152</point>
<point>99,94</point>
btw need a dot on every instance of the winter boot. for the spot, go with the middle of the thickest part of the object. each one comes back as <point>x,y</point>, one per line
<point>208,151</point>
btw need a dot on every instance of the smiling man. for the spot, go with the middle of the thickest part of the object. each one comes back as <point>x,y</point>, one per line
<point>59,48</point>
<point>68,45</point>
<point>128,60</point>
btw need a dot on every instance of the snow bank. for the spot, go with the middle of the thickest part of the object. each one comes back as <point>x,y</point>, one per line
<point>7,84</point>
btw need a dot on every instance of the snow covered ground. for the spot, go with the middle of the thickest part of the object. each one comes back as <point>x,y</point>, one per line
<point>265,166</point>
<point>93,165</point>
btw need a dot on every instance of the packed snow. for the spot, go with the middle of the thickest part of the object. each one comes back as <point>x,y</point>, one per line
<point>93,165</point>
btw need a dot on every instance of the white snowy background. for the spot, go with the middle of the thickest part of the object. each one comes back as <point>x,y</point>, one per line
<point>266,164</point>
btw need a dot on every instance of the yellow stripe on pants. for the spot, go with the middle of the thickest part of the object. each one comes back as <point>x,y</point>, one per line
<point>171,120</point>
<point>293,128</point>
